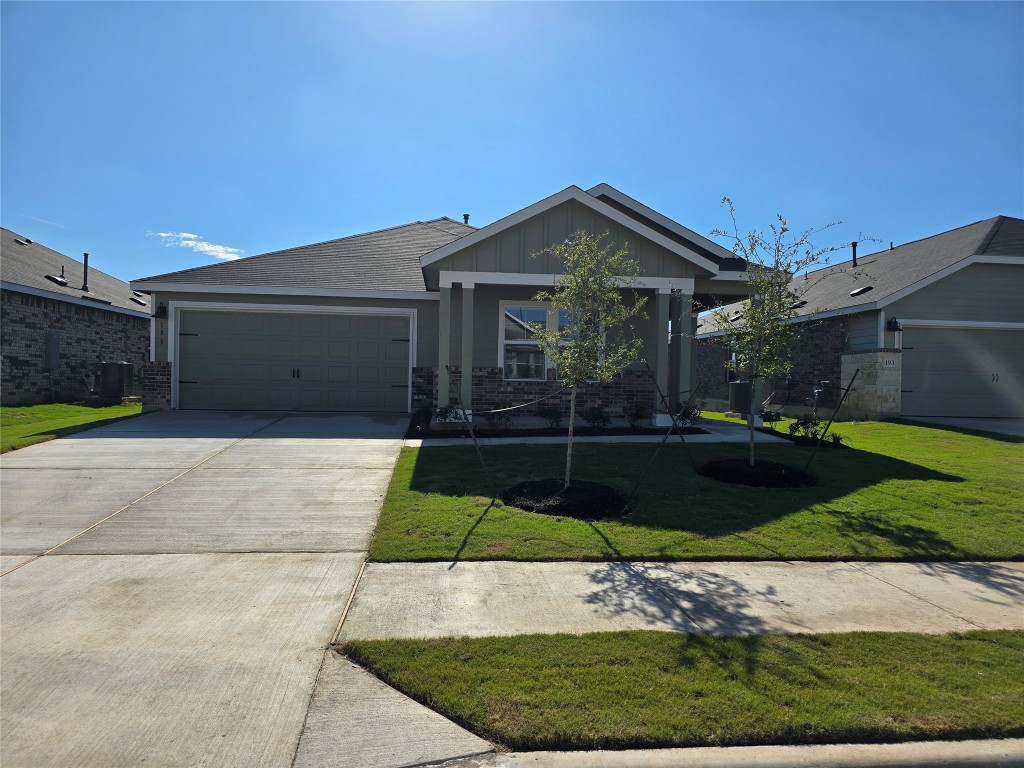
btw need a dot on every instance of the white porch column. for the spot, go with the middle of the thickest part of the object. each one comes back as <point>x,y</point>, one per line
<point>444,338</point>
<point>466,389</point>
<point>661,340</point>
<point>682,338</point>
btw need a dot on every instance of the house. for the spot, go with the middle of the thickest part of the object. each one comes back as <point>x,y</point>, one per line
<point>58,318</point>
<point>935,328</point>
<point>391,320</point>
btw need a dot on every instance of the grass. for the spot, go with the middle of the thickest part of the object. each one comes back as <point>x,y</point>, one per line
<point>900,492</point>
<point>27,425</point>
<point>657,689</point>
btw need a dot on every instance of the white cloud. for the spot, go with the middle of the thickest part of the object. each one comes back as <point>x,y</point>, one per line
<point>189,240</point>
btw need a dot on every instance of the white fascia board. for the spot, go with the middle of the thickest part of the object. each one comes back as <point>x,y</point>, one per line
<point>571,193</point>
<point>823,315</point>
<point>470,279</point>
<point>264,290</point>
<point>665,221</point>
<point>942,273</point>
<point>981,325</point>
<point>72,300</point>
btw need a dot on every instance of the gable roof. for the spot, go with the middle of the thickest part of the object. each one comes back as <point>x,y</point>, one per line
<point>690,250</point>
<point>893,274</point>
<point>387,259</point>
<point>25,264</point>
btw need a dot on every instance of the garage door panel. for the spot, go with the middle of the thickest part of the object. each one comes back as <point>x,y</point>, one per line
<point>248,360</point>
<point>962,372</point>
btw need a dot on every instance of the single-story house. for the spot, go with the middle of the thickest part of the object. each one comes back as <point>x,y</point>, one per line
<point>58,319</point>
<point>390,320</point>
<point>935,327</point>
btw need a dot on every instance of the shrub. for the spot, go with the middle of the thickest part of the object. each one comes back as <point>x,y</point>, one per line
<point>501,420</point>
<point>636,413</point>
<point>771,418</point>
<point>419,424</point>
<point>449,413</point>
<point>551,414</point>
<point>687,414</point>
<point>597,416</point>
<point>807,425</point>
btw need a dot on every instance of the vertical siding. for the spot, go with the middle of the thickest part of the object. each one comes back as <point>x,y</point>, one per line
<point>861,332</point>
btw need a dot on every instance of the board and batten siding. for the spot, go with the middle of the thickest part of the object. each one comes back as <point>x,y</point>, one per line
<point>861,332</point>
<point>978,293</point>
<point>511,250</point>
<point>426,314</point>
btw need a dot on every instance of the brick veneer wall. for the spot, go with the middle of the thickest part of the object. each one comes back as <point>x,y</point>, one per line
<point>87,334</point>
<point>817,356</point>
<point>491,390</point>
<point>156,386</point>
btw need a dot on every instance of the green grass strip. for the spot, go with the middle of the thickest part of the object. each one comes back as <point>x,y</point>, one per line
<point>27,425</point>
<point>900,492</point>
<point>625,690</point>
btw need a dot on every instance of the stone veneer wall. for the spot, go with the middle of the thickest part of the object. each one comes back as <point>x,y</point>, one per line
<point>490,390</point>
<point>156,386</point>
<point>876,392</point>
<point>88,334</point>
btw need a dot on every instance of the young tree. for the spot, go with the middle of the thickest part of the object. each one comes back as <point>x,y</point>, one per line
<point>594,339</point>
<point>762,336</point>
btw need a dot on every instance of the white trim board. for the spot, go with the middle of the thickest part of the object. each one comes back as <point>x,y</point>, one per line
<point>15,288</point>
<point>471,279</point>
<point>269,290</point>
<point>570,193</point>
<point>175,308</point>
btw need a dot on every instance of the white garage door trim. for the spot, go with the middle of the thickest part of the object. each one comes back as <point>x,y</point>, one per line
<point>980,325</point>
<point>175,308</point>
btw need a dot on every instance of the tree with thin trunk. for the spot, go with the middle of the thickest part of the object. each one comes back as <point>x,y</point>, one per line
<point>762,333</point>
<point>593,339</point>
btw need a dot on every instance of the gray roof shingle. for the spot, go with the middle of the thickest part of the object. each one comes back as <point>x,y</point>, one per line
<point>888,272</point>
<point>387,259</point>
<point>24,262</point>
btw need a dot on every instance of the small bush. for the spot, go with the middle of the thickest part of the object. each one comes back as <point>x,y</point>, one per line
<point>771,418</point>
<point>596,416</point>
<point>501,420</point>
<point>636,413</point>
<point>419,424</point>
<point>836,439</point>
<point>807,426</point>
<point>551,414</point>
<point>449,413</point>
<point>688,414</point>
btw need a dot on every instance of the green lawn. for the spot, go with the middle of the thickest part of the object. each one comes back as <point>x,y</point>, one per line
<point>899,492</point>
<point>658,689</point>
<point>21,426</point>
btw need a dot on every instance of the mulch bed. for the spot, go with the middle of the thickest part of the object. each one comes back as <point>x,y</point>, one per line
<point>764,474</point>
<point>807,442</point>
<point>583,500</point>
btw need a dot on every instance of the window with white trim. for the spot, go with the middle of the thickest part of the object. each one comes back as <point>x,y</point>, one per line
<point>521,355</point>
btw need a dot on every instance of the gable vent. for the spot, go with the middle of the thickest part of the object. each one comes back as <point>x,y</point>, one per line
<point>862,290</point>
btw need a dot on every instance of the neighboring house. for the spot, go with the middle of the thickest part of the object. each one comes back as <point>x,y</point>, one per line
<point>58,319</point>
<point>390,320</point>
<point>936,328</point>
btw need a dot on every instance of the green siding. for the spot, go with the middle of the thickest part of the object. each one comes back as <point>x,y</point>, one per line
<point>980,292</point>
<point>861,332</point>
<point>512,250</point>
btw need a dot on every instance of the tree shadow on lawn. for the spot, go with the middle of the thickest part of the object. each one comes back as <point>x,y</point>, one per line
<point>674,497</point>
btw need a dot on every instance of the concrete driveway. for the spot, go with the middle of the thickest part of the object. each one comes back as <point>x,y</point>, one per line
<point>171,584</point>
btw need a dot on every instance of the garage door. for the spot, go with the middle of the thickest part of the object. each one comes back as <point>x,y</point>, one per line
<point>963,372</point>
<point>291,361</point>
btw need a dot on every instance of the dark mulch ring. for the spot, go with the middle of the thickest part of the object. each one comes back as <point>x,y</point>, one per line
<point>583,500</point>
<point>764,474</point>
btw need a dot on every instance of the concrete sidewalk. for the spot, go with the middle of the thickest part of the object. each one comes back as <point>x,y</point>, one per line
<point>507,598</point>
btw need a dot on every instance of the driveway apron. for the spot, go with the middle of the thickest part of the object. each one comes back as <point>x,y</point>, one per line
<point>171,584</point>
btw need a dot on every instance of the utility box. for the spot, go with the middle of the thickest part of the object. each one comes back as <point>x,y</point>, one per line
<point>739,396</point>
<point>117,379</point>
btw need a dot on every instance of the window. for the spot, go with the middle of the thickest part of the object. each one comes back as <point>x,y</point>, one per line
<point>521,355</point>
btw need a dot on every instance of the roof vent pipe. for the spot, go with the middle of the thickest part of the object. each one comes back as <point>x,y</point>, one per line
<point>85,273</point>
<point>890,245</point>
<point>465,218</point>
<point>854,245</point>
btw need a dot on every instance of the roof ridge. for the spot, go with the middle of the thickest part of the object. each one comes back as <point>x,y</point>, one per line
<point>996,226</point>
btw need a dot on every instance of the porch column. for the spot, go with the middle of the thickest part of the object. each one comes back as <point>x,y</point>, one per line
<point>467,346</point>
<point>444,338</point>
<point>682,338</point>
<point>661,342</point>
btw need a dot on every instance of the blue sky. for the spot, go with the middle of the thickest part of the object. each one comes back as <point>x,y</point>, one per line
<point>259,126</point>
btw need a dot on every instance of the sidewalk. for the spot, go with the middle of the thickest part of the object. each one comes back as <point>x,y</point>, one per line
<point>508,598</point>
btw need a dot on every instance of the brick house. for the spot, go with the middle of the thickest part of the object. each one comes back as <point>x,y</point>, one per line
<point>58,319</point>
<point>935,327</point>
